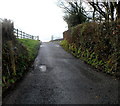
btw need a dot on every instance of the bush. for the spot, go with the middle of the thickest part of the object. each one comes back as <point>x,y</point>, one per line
<point>97,44</point>
<point>16,56</point>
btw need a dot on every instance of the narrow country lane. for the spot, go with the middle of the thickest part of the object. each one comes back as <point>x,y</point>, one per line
<point>60,78</point>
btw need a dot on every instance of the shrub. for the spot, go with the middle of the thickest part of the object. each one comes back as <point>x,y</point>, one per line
<point>97,44</point>
<point>16,57</point>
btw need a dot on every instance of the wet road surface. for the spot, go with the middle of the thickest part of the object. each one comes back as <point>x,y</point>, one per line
<point>59,78</point>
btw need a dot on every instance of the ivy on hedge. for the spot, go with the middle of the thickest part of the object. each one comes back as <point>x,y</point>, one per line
<point>97,44</point>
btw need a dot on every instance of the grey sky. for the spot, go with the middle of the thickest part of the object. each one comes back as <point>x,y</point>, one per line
<point>37,17</point>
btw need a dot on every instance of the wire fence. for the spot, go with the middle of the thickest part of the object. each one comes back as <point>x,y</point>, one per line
<point>22,35</point>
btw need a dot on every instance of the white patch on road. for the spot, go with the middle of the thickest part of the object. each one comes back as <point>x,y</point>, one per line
<point>57,46</point>
<point>42,45</point>
<point>42,68</point>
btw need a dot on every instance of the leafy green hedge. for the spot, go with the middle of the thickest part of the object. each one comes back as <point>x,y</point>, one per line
<point>97,44</point>
<point>17,56</point>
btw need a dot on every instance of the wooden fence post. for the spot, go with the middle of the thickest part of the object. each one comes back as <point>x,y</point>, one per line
<point>24,35</point>
<point>32,37</point>
<point>37,37</point>
<point>17,33</point>
<point>21,34</point>
<point>27,36</point>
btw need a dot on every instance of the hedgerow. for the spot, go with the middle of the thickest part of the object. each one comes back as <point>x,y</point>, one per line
<point>97,44</point>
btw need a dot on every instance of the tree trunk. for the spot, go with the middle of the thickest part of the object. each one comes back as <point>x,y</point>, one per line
<point>118,10</point>
<point>94,15</point>
<point>112,11</point>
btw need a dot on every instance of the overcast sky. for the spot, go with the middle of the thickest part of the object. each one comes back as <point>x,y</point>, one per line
<point>36,17</point>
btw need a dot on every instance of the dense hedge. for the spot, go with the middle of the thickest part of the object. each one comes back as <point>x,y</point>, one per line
<point>16,58</point>
<point>97,44</point>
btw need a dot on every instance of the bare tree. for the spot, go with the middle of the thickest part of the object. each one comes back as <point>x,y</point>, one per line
<point>74,12</point>
<point>101,11</point>
<point>106,10</point>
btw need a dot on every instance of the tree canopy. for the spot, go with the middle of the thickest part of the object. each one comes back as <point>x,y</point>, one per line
<point>75,13</point>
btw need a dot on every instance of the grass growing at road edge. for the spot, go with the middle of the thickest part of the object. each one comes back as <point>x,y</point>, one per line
<point>17,58</point>
<point>31,45</point>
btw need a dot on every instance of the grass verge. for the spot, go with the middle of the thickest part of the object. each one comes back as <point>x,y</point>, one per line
<point>31,45</point>
<point>17,56</point>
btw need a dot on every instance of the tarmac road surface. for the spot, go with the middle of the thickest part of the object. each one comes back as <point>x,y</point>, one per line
<point>60,78</point>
